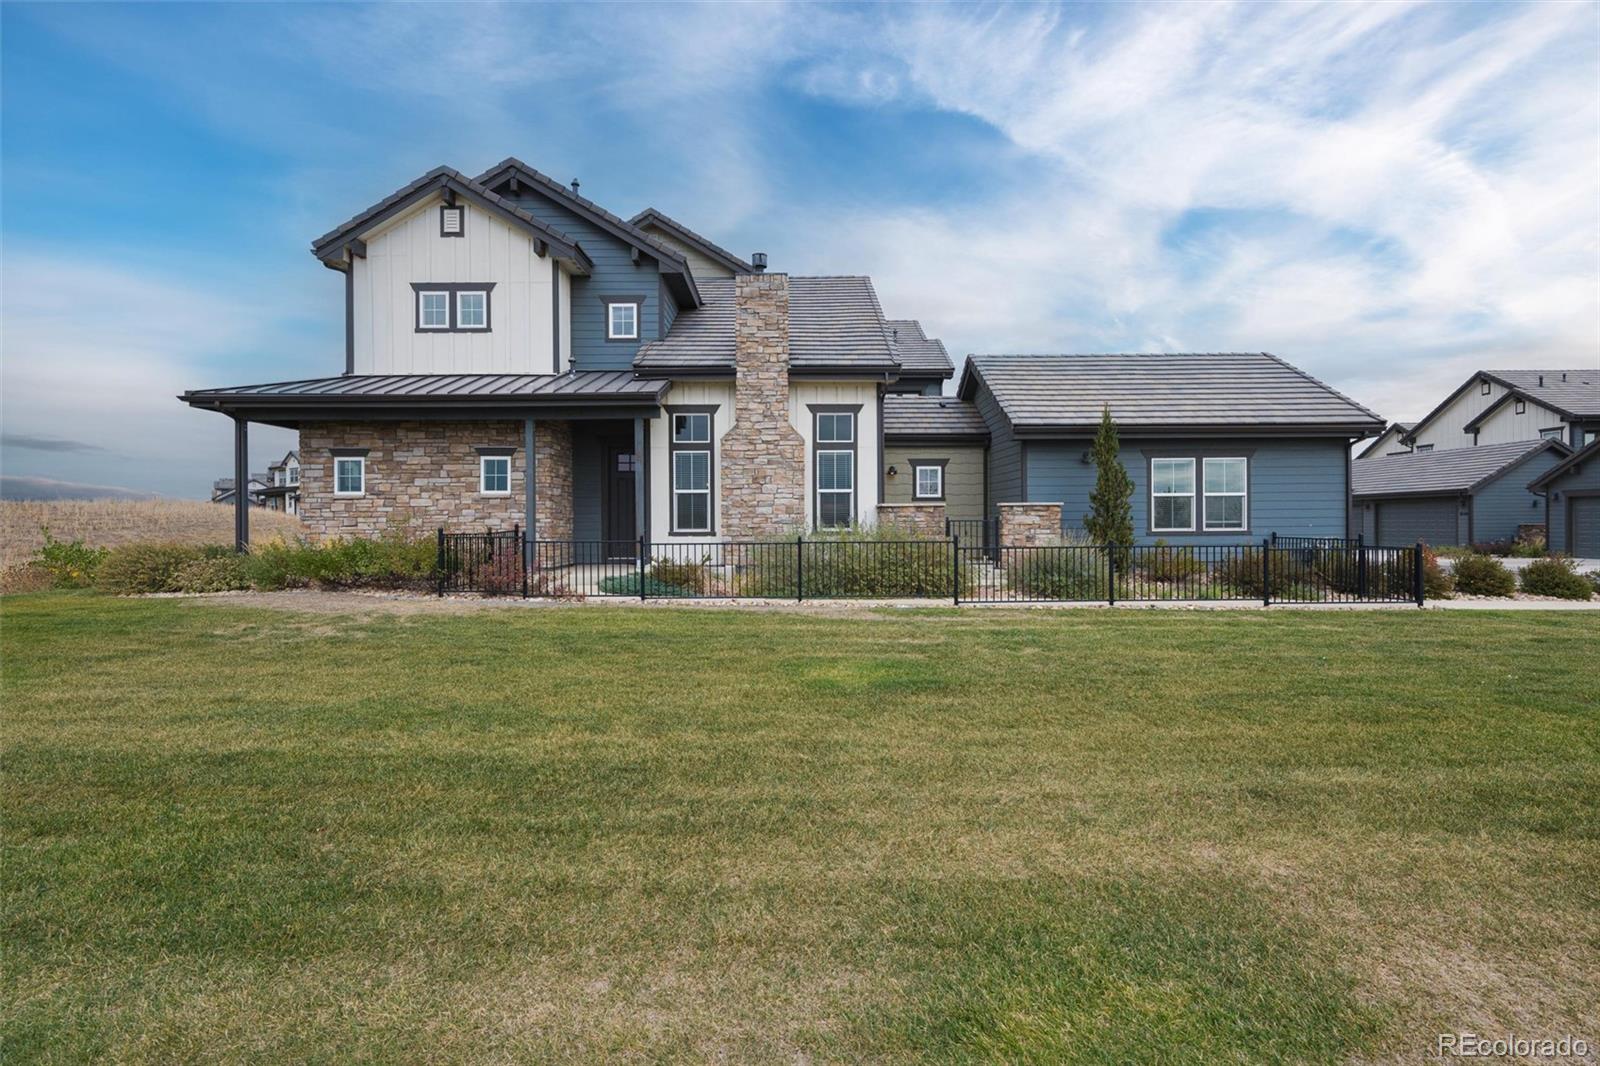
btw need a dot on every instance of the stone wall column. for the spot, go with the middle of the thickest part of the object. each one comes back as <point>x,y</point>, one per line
<point>762,455</point>
<point>1029,525</point>
<point>552,479</point>
<point>919,521</point>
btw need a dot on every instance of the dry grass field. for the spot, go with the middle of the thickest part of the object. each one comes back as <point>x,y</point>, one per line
<point>108,523</point>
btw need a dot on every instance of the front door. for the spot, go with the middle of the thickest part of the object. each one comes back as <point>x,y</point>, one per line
<point>618,517</point>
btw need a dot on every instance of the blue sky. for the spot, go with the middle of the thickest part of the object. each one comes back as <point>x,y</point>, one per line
<point>1389,196</point>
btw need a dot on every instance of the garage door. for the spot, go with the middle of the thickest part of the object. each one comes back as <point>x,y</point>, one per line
<point>1585,526</point>
<point>1408,521</point>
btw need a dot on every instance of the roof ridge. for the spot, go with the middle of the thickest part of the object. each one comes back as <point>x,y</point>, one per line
<point>1323,384</point>
<point>660,217</point>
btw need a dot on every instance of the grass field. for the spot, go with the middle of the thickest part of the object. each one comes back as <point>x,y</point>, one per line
<point>108,523</point>
<point>595,834</point>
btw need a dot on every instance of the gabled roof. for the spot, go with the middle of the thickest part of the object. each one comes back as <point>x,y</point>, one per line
<point>835,325</point>
<point>1453,470</point>
<point>1571,394</point>
<point>932,418</point>
<point>1588,453</point>
<point>714,252</point>
<point>1241,393</point>
<point>333,247</point>
<point>512,169</point>
<point>281,463</point>
<point>1564,391</point>
<point>1402,428</point>
<point>918,353</point>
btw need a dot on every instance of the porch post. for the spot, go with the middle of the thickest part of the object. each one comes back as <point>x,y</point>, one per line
<point>241,484</point>
<point>640,475</point>
<point>530,503</point>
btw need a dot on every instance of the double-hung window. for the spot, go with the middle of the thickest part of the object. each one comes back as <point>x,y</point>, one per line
<point>691,471</point>
<point>494,475</point>
<point>1171,495</point>
<point>349,475</point>
<point>835,444</point>
<point>1226,493</point>
<point>929,481</point>
<point>433,310</point>
<point>622,321</point>
<point>294,475</point>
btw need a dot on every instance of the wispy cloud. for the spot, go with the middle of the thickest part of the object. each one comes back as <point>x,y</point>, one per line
<point>46,444</point>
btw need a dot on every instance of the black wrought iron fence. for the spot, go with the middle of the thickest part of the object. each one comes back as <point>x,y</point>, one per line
<point>978,535</point>
<point>507,563</point>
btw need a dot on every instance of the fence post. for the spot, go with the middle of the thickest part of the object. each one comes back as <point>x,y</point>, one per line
<point>641,567</point>
<point>438,565</point>
<point>955,564</point>
<point>1361,569</point>
<point>1111,574</point>
<point>1266,574</point>
<point>519,542</point>
<point>1416,573</point>
<point>799,567</point>
<point>1274,538</point>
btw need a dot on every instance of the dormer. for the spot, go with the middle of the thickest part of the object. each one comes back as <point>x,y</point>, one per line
<point>445,277</point>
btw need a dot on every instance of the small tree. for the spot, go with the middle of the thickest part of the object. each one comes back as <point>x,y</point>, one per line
<point>1110,519</point>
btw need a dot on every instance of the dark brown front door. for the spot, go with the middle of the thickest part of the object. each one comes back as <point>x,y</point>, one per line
<point>618,519</point>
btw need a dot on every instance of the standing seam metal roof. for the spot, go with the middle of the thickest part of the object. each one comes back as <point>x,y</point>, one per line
<point>596,384</point>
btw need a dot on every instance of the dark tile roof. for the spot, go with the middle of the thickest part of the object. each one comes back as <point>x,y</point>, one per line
<point>1574,393</point>
<point>1451,470</point>
<point>1589,452</point>
<point>835,323</point>
<point>443,388</point>
<point>918,352</point>
<point>931,416</point>
<point>440,178</point>
<point>1213,391</point>
<point>704,245</point>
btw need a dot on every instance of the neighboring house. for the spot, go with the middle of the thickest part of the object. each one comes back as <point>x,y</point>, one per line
<point>1455,496</point>
<point>1572,491</point>
<point>936,450</point>
<point>1389,442</point>
<point>1221,447</point>
<point>222,489</point>
<point>282,491</point>
<point>1501,406</point>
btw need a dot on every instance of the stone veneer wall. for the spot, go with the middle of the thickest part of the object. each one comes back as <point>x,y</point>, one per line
<point>424,475</point>
<point>1027,525</point>
<point>763,456</point>
<point>920,521</point>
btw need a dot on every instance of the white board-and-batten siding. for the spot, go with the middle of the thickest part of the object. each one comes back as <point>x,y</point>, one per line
<point>409,249</point>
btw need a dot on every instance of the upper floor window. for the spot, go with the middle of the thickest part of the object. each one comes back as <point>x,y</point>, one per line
<point>1424,447</point>
<point>453,307</point>
<point>1552,433</point>
<point>294,475</point>
<point>1484,388</point>
<point>622,320</point>
<point>1522,407</point>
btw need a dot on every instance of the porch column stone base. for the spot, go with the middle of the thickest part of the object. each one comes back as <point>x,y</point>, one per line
<point>1029,525</point>
<point>920,521</point>
<point>552,479</point>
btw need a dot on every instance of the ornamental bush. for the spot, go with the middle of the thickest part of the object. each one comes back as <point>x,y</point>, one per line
<point>1481,575</point>
<point>1067,573</point>
<point>1555,577</point>
<point>70,564</point>
<point>215,573</point>
<point>133,569</point>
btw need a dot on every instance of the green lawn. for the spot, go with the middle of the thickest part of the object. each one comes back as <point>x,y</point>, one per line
<point>588,834</point>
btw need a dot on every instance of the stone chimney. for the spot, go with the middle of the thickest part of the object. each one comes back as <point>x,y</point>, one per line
<point>763,455</point>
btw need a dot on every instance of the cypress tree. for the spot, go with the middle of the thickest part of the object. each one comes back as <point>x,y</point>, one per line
<point>1110,519</point>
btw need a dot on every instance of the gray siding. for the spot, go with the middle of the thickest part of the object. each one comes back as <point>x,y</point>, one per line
<point>963,475</point>
<point>1505,503</point>
<point>1296,486</point>
<point>1005,451</point>
<point>614,275</point>
<point>668,305</point>
<point>1585,479</point>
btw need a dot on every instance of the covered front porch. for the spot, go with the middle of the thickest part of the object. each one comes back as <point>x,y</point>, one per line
<point>565,456</point>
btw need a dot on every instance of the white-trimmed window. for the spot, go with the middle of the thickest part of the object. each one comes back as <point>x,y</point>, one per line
<point>472,310</point>
<point>1552,433</point>
<point>1226,505</point>
<point>622,321</point>
<point>433,309</point>
<point>690,449</point>
<point>349,475</point>
<point>294,475</point>
<point>929,481</point>
<point>494,475</point>
<point>1171,495</point>
<point>835,443</point>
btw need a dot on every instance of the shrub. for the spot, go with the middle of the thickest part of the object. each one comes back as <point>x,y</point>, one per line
<point>1437,582</point>
<point>1065,573</point>
<point>691,577</point>
<point>140,568</point>
<point>1242,571</point>
<point>70,564</point>
<point>29,577</point>
<point>392,561</point>
<point>1161,562</point>
<point>1555,577</point>
<point>856,562</point>
<point>1531,548</point>
<point>217,573</point>
<point>1480,575</point>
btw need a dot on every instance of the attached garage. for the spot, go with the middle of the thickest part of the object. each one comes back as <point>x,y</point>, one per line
<point>1466,495</point>
<point>1572,491</point>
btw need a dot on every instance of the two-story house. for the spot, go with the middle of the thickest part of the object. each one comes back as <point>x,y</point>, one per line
<point>282,490</point>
